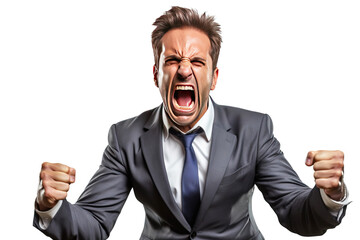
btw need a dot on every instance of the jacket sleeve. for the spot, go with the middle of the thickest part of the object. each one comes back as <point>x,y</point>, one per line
<point>298,208</point>
<point>94,214</point>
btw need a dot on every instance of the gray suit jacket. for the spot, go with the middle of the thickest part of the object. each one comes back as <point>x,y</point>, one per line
<point>244,152</point>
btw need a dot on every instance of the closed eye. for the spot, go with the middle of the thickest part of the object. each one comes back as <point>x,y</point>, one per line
<point>171,61</point>
<point>198,63</point>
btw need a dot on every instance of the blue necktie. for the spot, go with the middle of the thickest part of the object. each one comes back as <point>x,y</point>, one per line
<point>190,191</point>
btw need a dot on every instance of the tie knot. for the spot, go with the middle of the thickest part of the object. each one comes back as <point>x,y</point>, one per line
<point>188,138</point>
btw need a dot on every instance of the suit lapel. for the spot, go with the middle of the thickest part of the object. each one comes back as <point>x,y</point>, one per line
<point>222,145</point>
<point>151,144</point>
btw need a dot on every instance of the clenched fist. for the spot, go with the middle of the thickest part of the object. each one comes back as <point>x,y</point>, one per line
<point>56,179</point>
<point>328,171</point>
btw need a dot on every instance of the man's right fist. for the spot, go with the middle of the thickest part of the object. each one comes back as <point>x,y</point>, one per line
<point>56,179</point>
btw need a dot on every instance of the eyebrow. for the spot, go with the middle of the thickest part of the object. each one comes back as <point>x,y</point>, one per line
<point>198,59</point>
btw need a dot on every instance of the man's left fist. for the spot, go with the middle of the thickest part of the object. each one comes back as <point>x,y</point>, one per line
<point>328,167</point>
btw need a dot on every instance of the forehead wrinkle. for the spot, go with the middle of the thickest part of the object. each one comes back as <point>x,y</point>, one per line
<point>189,50</point>
<point>189,53</point>
<point>183,47</point>
<point>185,50</point>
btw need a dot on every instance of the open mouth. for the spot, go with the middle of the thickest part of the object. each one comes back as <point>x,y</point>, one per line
<point>184,98</point>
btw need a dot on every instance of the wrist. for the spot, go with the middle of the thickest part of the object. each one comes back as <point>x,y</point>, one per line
<point>41,206</point>
<point>336,195</point>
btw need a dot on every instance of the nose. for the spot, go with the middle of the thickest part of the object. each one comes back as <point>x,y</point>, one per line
<point>185,70</point>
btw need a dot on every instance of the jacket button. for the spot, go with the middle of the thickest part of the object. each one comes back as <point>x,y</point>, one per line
<point>193,235</point>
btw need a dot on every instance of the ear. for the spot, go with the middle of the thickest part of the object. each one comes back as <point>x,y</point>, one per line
<point>214,80</point>
<point>155,73</point>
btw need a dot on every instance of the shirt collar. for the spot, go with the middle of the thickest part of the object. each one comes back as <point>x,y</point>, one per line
<point>206,122</point>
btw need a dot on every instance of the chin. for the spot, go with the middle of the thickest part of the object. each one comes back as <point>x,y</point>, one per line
<point>184,121</point>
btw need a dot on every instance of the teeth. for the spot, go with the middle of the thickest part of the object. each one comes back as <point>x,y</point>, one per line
<point>185,88</point>
<point>184,107</point>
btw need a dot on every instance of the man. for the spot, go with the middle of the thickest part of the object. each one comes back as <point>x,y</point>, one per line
<point>192,163</point>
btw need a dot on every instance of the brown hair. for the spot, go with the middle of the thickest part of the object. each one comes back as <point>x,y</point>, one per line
<point>178,17</point>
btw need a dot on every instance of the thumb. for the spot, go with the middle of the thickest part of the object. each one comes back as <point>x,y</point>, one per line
<point>72,174</point>
<point>310,158</point>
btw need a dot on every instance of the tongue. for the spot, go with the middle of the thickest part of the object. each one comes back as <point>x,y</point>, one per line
<point>184,98</point>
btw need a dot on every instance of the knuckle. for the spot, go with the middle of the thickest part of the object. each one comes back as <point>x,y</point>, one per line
<point>43,175</point>
<point>318,182</point>
<point>339,154</point>
<point>44,165</point>
<point>59,165</point>
<point>48,193</point>
<point>334,183</point>
<point>316,166</point>
<point>340,164</point>
<point>63,195</point>
<point>46,183</point>
<point>338,173</point>
<point>66,187</point>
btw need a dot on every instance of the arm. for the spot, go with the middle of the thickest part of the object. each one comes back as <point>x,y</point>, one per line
<point>94,214</point>
<point>299,208</point>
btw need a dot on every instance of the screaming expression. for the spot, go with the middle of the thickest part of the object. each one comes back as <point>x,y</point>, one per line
<point>184,75</point>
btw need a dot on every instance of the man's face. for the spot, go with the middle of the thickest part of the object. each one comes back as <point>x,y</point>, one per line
<point>184,76</point>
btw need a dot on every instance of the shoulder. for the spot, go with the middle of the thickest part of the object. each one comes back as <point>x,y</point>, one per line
<point>132,128</point>
<point>138,121</point>
<point>239,117</point>
<point>238,112</point>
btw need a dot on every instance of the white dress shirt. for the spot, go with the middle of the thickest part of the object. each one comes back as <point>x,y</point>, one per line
<point>174,152</point>
<point>174,158</point>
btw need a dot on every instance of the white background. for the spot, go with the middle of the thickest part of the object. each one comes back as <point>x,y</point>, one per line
<point>69,69</point>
